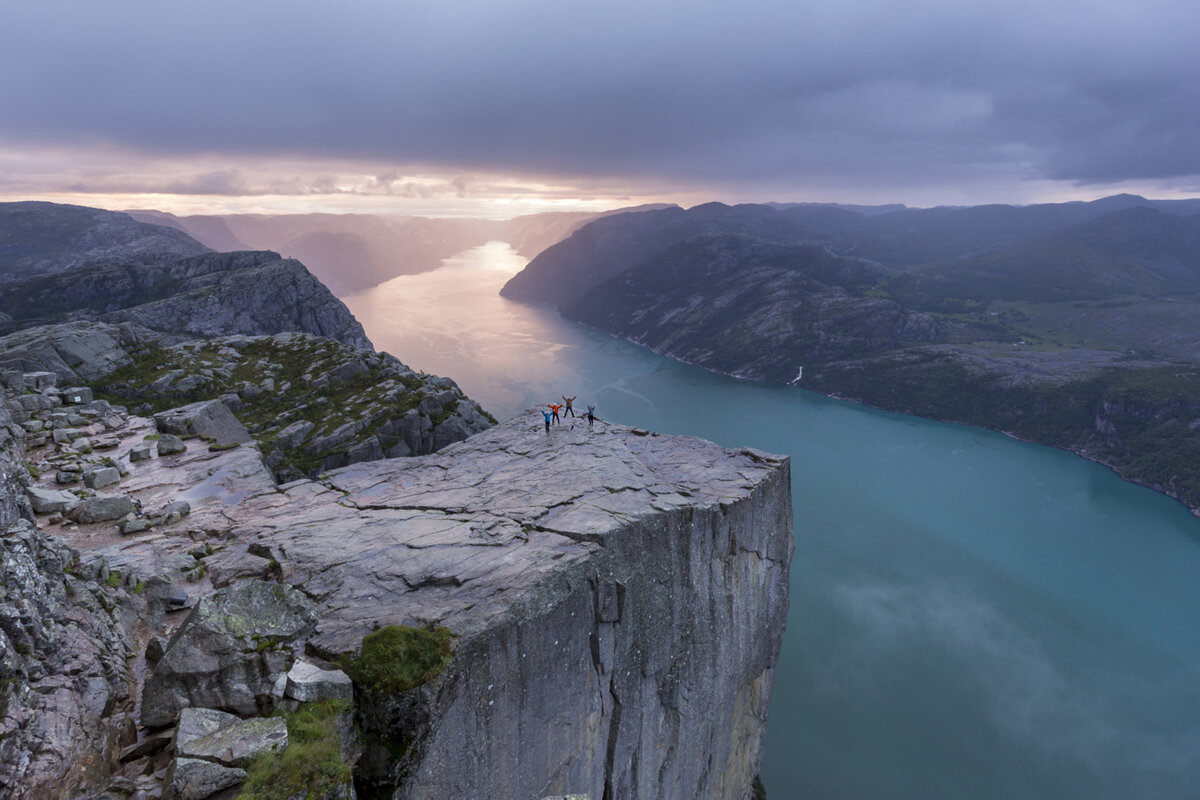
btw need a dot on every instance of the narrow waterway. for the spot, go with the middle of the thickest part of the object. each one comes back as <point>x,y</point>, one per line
<point>972,617</point>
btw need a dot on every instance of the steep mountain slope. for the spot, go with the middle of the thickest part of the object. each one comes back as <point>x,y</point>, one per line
<point>123,270</point>
<point>41,238</point>
<point>564,273</point>
<point>1138,251</point>
<point>1079,334</point>
<point>753,308</point>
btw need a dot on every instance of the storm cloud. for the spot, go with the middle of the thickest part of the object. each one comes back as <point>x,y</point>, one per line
<point>760,96</point>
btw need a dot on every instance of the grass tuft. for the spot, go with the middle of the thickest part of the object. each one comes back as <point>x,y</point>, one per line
<point>398,658</point>
<point>311,767</point>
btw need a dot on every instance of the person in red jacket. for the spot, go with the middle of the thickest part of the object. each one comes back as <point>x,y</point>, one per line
<point>555,407</point>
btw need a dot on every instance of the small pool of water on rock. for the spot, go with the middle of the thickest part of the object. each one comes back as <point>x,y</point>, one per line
<point>972,617</point>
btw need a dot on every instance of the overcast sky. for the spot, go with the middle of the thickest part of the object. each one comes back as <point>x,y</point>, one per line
<point>504,106</point>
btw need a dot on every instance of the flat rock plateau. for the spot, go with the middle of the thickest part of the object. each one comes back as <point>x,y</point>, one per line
<point>615,598</point>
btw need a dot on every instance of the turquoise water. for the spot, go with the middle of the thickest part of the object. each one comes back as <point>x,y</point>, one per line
<point>972,617</point>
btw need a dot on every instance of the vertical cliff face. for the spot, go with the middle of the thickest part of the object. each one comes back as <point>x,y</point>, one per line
<point>646,672</point>
<point>66,687</point>
<point>619,600</point>
<point>616,601</point>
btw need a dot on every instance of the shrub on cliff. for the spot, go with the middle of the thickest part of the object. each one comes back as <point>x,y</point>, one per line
<point>312,766</point>
<point>398,658</point>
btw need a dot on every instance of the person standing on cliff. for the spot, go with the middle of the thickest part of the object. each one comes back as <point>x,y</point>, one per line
<point>568,401</point>
<point>591,414</point>
<point>546,414</point>
<point>555,407</point>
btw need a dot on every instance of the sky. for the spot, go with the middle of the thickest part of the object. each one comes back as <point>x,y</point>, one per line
<point>501,107</point>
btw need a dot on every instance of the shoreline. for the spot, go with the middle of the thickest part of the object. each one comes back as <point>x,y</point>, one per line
<point>1194,510</point>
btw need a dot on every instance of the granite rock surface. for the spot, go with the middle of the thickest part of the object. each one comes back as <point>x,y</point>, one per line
<point>617,597</point>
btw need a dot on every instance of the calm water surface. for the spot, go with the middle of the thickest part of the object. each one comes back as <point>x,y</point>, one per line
<point>971,617</point>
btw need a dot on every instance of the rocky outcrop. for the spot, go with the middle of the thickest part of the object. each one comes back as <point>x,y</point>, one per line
<point>66,685</point>
<point>621,621</point>
<point>615,599</point>
<point>64,262</point>
<point>254,293</point>
<point>75,352</point>
<point>311,404</point>
<point>232,653</point>
<point>37,239</point>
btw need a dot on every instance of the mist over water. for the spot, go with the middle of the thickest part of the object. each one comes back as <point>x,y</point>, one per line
<point>972,617</point>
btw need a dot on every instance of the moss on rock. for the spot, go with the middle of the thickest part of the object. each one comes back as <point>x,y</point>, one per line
<point>398,658</point>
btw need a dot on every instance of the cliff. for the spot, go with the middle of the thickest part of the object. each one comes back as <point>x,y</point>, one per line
<point>37,239</point>
<point>67,685</point>
<point>614,601</point>
<point>66,262</point>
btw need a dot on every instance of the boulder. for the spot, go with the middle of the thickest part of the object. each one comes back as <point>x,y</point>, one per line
<point>169,444</point>
<point>294,434</point>
<point>64,435</point>
<point>230,653</point>
<point>141,452</point>
<point>99,477</point>
<point>196,723</point>
<point>37,402</point>
<point>146,747</point>
<point>49,501</point>
<point>193,779</point>
<point>236,744</point>
<point>211,419</point>
<point>307,683</point>
<point>39,380</point>
<point>134,526</point>
<point>102,508</point>
<point>171,512</point>
<point>77,395</point>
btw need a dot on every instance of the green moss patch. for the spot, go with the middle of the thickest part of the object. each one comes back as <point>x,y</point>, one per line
<point>311,766</point>
<point>398,658</point>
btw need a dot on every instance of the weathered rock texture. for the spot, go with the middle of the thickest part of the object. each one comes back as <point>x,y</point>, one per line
<point>65,641</point>
<point>230,653</point>
<point>61,262</point>
<point>618,598</point>
<point>312,404</point>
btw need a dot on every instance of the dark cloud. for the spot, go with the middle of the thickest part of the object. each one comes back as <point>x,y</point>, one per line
<point>763,93</point>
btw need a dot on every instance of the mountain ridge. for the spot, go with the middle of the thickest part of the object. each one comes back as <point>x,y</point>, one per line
<point>1075,335</point>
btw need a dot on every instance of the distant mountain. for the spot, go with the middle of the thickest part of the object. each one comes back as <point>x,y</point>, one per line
<point>68,262</point>
<point>210,231</point>
<point>530,234</point>
<point>564,273</point>
<point>40,238</point>
<point>348,252</point>
<point>1136,251</point>
<point>353,252</point>
<point>753,308</point>
<point>868,211</point>
<point>1074,324</point>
